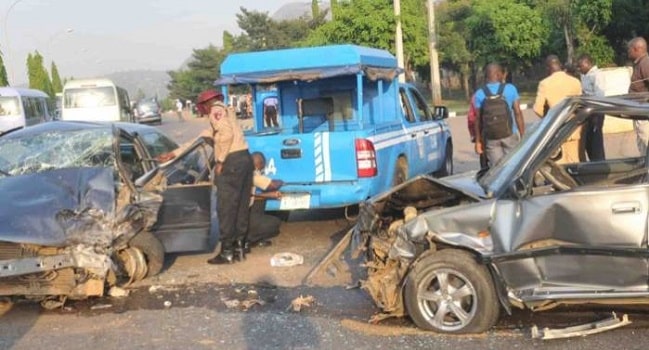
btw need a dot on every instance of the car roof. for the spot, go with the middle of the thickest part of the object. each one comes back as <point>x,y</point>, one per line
<point>130,128</point>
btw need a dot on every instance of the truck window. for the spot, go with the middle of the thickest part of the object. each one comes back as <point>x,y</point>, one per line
<point>405,107</point>
<point>422,110</point>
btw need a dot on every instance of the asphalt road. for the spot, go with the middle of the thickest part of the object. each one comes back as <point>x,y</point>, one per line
<point>248,305</point>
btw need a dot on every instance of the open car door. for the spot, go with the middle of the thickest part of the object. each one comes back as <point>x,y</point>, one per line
<point>187,220</point>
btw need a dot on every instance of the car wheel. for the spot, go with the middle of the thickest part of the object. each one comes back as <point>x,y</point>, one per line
<point>152,249</point>
<point>447,167</point>
<point>400,171</point>
<point>449,292</point>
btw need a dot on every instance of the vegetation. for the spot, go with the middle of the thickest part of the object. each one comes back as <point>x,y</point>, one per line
<point>471,33</point>
<point>4,80</point>
<point>57,84</point>
<point>37,73</point>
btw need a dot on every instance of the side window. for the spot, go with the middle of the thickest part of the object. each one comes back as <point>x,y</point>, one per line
<point>157,143</point>
<point>130,158</point>
<point>422,110</point>
<point>190,169</point>
<point>405,106</point>
<point>30,108</point>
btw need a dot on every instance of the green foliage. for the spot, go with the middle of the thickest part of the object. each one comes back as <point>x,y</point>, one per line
<point>202,70</point>
<point>57,85</point>
<point>38,77</point>
<point>315,9</point>
<point>372,23</point>
<point>453,34</point>
<point>628,20</point>
<point>506,31</point>
<point>4,81</point>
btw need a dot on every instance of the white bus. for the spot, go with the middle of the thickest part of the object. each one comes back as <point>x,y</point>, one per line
<point>22,107</point>
<point>96,100</point>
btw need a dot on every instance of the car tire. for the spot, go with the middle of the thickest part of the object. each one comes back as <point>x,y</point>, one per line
<point>447,166</point>
<point>400,171</point>
<point>152,249</point>
<point>469,293</point>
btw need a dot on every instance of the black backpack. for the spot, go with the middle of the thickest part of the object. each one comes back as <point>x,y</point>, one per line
<point>496,117</point>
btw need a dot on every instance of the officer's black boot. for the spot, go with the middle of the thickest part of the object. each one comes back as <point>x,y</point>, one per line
<point>226,256</point>
<point>241,248</point>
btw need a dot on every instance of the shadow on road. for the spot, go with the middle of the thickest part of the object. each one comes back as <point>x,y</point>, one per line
<point>15,322</point>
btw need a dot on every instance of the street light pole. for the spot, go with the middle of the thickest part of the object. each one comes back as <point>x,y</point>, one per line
<point>399,39</point>
<point>435,85</point>
<point>8,51</point>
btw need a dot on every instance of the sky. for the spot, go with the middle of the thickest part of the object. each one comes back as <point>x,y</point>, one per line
<point>89,38</point>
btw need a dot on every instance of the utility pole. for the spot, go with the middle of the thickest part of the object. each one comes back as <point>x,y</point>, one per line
<point>435,85</point>
<point>399,39</point>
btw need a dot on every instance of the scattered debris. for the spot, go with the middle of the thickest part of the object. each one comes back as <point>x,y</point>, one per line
<point>159,288</point>
<point>231,303</point>
<point>154,288</point>
<point>302,301</point>
<point>582,330</point>
<point>52,303</point>
<point>167,304</point>
<point>286,260</point>
<point>376,318</point>
<point>101,306</point>
<point>117,292</point>
<point>247,304</point>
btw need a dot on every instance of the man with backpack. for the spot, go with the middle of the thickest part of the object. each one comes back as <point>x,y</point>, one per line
<point>497,129</point>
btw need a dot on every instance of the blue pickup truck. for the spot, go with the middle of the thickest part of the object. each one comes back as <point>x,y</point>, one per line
<point>347,128</point>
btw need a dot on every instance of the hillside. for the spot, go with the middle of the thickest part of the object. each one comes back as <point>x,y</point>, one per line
<point>151,82</point>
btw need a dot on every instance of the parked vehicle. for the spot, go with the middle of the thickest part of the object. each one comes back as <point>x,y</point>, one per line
<point>106,211</point>
<point>95,100</point>
<point>148,111</point>
<point>22,107</point>
<point>529,233</point>
<point>347,129</point>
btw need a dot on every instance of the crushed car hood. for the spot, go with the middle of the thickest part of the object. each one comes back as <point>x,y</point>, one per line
<point>69,206</point>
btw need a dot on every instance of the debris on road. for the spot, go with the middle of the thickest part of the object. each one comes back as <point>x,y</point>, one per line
<point>167,304</point>
<point>582,330</point>
<point>101,306</point>
<point>247,304</point>
<point>117,292</point>
<point>231,303</point>
<point>302,301</point>
<point>52,303</point>
<point>286,260</point>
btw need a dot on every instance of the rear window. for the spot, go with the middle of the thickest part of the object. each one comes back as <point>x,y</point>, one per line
<point>89,97</point>
<point>9,105</point>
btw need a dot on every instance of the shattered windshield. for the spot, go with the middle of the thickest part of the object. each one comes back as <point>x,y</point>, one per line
<point>56,150</point>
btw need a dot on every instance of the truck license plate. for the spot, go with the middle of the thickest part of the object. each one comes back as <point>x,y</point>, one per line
<point>295,201</point>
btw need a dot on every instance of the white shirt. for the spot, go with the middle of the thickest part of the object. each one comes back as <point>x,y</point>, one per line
<point>590,85</point>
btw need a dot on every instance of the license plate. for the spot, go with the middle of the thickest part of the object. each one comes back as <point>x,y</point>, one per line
<point>295,201</point>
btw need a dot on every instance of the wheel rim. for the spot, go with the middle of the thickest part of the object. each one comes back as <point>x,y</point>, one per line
<point>447,300</point>
<point>134,263</point>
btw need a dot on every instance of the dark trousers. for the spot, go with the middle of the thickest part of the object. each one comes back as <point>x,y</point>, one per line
<point>233,198</point>
<point>262,226</point>
<point>594,138</point>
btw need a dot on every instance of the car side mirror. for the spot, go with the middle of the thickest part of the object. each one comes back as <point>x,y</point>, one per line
<point>441,112</point>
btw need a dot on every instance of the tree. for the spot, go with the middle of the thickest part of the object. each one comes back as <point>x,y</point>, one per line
<point>202,70</point>
<point>38,77</point>
<point>4,80</point>
<point>315,9</point>
<point>57,85</point>
<point>505,31</point>
<point>371,23</point>
<point>453,35</point>
<point>628,20</point>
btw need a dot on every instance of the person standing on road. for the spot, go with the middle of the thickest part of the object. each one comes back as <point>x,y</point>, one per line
<point>470,120</point>
<point>270,111</point>
<point>640,83</point>
<point>552,90</point>
<point>592,134</point>
<point>232,174</point>
<point>179,110</point>
<point>499,123</point>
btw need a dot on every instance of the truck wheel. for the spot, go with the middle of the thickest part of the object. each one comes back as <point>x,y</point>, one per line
<point>447,167</point>
<point>449,292</point>
<point>153,251</point>
<point>400,172</point>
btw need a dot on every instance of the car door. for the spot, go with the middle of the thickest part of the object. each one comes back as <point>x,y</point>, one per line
<point>187,220</point>
<point>588,239</point>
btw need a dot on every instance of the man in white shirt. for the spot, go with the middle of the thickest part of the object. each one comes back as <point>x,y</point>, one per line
<point>593,136</point>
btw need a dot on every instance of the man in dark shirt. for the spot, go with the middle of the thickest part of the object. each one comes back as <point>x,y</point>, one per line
<point>640,83</point>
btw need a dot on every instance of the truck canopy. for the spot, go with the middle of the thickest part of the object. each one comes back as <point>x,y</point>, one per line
<point>307,64</point>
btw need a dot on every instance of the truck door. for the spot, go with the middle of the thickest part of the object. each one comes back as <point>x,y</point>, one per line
<point>432,133</point>
<point>415,131</point>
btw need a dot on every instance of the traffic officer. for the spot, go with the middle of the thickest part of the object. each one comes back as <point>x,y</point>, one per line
<point>233,175</point>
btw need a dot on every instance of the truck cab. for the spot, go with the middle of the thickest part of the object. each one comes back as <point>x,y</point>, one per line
<point>347,129</point>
